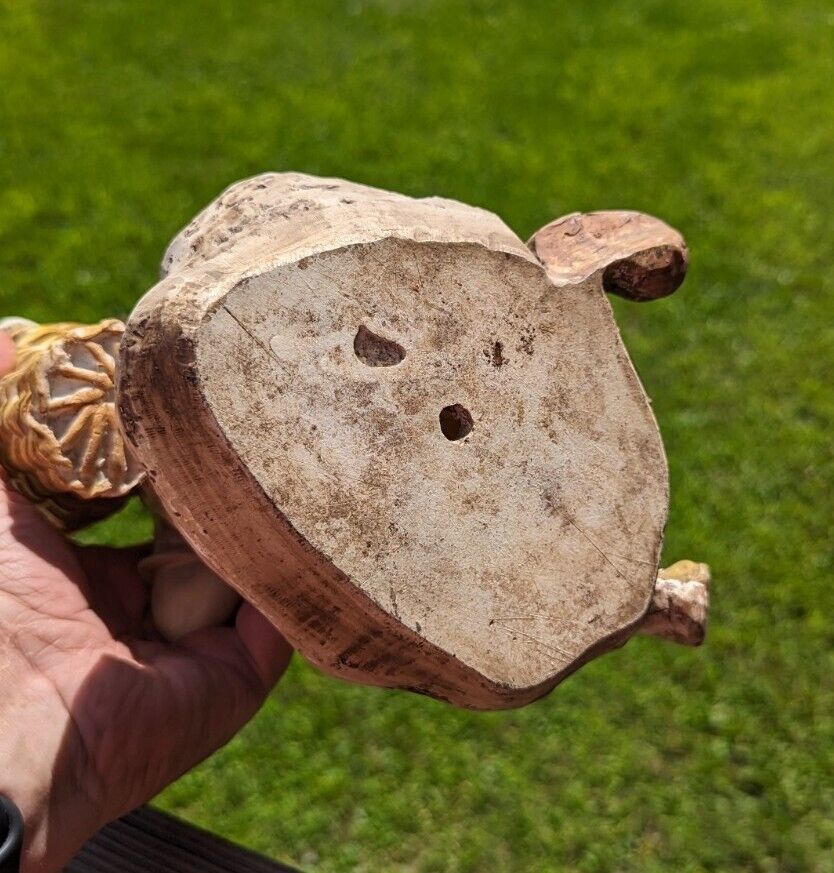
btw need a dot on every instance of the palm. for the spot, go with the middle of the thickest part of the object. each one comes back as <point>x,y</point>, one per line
<point>120,716</point>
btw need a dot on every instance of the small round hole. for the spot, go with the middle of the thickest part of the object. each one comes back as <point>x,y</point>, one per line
<point>455,422</point>
<point>376,351</point>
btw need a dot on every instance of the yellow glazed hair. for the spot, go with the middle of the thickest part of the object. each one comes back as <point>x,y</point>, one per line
<point>60,439</point>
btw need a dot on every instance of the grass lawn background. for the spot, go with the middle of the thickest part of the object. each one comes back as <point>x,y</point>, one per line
<point>120,119</point>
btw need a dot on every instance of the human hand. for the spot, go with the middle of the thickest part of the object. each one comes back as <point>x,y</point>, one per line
<point>94,717</point>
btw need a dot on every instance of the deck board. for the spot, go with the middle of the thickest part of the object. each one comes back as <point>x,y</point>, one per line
<point>149,841</point>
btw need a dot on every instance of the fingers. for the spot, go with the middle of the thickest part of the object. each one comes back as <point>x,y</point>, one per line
<point>638,256</point>
<point>186,595</point>
<point>269,651</point>
<point>116,590</point>
<point>7,353</point>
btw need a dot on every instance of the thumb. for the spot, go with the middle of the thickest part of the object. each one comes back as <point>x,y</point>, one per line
<point>8,353</point>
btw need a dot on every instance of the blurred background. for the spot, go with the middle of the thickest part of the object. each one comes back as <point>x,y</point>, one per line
<point>119,120</point>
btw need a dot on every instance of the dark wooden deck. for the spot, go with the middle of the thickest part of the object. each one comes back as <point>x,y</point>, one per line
<point>149,841</point>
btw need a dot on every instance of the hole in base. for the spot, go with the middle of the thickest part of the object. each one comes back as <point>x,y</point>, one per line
<point>455,422</point>
<point>376,351</point>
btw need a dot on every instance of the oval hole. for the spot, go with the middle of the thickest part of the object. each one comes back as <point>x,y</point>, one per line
<point>455,422</point>
<point>375,350</point>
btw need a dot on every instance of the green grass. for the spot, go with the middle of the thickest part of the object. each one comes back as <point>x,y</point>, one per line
<point>119,119</point>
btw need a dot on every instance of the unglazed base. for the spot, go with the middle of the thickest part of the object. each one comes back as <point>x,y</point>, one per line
<point>513,547</point>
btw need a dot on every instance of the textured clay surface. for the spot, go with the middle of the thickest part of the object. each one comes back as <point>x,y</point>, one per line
<point>510,547</point>
<point>381,421</point>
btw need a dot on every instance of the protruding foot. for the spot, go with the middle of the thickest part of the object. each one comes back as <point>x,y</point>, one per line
<point>680,602</point>
<point>639,257</point>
